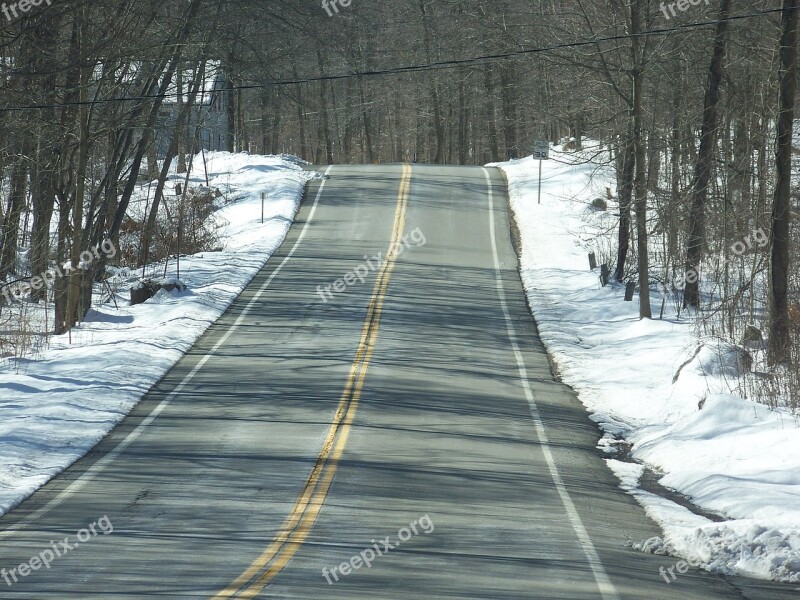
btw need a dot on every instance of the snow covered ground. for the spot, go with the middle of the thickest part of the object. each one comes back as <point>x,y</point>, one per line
<point>59,404</point>
<point>732,457</point>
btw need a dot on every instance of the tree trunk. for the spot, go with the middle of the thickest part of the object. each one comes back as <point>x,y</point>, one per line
<point>60,286</point>
<point>625,196</point>
<point>509,96</point>
<point>43,201</point>
<point>675,178</point>
<point>438,124</point>
<point>230,112</point>
<point>491,114</point>
<point>180,128</point>
<point>640,178</point>
<point>301,119</point>
<point>463,119</point>
<point>368,147</point>
<point>16,204</point>
<point>43,173</point>
<point>265,124</point>
<point>74,312</point>
<point>780,339</point>
<point>323,107</point>
<point>705,161</point>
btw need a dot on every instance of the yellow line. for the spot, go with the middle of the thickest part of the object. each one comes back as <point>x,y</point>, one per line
<point>305,511</point>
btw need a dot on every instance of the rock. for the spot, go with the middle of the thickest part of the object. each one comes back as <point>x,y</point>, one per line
<point>173,285</point>
<point>147,288</point>
<point>753,337</point>
<point>599,204</point>
<point>142,291</point>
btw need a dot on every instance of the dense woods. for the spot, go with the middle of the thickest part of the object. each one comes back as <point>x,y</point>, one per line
<point>693,106</point>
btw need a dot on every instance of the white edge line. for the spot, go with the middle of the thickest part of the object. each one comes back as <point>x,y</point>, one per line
<point>607,589</point>
<point>101,464</point>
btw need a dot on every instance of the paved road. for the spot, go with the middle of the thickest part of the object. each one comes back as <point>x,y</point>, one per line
<point>410,421</point>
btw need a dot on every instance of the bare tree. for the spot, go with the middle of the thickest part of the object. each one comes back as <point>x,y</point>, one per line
<point>705,162</point>
<point>780,340</point>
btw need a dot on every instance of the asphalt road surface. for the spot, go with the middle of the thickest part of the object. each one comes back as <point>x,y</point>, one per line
<point>375,417</point>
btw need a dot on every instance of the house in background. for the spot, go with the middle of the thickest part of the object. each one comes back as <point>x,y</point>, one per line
<point>207,125</point>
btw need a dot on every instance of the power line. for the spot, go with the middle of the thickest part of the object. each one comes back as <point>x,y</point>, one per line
<point>432,66</point>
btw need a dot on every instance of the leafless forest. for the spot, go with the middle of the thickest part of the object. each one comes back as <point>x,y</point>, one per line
<point>693,105</point>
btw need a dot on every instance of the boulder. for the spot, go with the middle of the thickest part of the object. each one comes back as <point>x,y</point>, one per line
<point>145,289</point>
<point>753,337</point>
<point>142,291</point>
<point>173,285</point>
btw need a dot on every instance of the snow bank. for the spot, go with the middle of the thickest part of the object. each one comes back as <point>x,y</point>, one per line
<point>57,407</point>
<point>655,385</point>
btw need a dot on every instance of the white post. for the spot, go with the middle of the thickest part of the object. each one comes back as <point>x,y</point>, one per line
<point>540,181</point>
<point>541,152</point>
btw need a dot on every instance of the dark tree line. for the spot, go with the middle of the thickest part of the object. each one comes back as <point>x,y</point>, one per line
<point>696,122</point>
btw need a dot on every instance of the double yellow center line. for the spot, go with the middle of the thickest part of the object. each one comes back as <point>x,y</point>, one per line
<point>297,526</point>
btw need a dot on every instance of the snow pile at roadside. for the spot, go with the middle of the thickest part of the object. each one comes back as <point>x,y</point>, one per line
<point>731,456</point>
<point>56,408</point>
